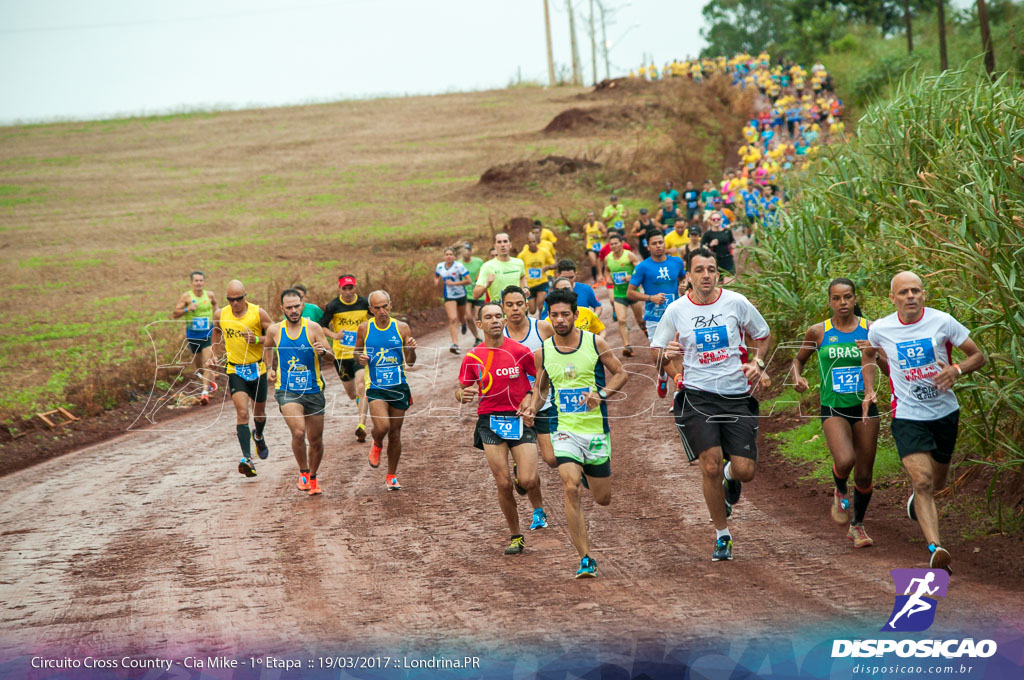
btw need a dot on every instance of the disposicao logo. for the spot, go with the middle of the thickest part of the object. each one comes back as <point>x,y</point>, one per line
<point>914,610</point>
<point>917,591</point>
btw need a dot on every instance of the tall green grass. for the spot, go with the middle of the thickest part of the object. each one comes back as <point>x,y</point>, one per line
<point>933,182</point>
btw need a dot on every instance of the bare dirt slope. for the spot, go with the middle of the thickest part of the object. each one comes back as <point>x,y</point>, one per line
<point>153,542</point>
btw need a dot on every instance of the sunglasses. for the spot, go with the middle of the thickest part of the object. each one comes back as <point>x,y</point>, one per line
<point>236,299</point>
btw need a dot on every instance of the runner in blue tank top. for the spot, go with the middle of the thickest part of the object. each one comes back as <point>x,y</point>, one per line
<point>386,347</point>
<point>292,352</point>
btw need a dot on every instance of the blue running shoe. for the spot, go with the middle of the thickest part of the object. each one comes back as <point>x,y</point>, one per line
<point>261,447</point>
<point>588,568</point>
<point>540,520</point>
<point>723,549</point>
<point>247,467</point>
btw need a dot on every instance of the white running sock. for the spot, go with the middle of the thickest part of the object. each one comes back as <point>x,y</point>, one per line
<point>722,532</point>
<point>727,470</point>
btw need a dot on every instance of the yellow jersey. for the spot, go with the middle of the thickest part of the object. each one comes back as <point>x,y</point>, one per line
<point>676,240</point>
<point>240,352</point>
<point>594,237</point>
<point>535,263</point>
<point>588,321</point>
<point>546,235</point>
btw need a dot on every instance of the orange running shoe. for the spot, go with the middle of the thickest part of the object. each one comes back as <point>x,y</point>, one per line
<point>204,399</point>
<point>303,482</point>
<point>374,455</point>
<point>391,482</point>
<point>213,386</point>
<point>314,488</point>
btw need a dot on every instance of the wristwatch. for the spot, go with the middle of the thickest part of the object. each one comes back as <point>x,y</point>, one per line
<point>601,393</point>
<point>759,362</point>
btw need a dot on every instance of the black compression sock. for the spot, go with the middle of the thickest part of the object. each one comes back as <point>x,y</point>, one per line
<point>243,438</point>
<point>841,486</point>
<point>260,424</point>
<point>593,273</point>
<point>860,503</point>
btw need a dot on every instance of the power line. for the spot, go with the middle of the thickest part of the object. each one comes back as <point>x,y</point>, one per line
<point>175,20</point>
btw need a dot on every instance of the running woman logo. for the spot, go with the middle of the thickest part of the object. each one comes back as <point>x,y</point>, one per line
<point>914,610</point>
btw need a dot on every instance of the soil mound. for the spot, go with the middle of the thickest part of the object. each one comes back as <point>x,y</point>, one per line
<point>585,120</point>
<point>518,174</point>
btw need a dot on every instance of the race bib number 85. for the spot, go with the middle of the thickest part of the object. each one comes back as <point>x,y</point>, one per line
<point>710,339</point>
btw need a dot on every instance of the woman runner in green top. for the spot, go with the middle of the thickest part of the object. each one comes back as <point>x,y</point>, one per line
<point>851,439</point>
<point>196,307</point>
<point>620,264</point>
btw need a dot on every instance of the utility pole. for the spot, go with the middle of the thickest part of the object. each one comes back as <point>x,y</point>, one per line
<point>604,40</point>
<point>576,80</point>
<point>943,59</point>
<point>910,30</point>
<point>593,44</point>
<point>986,38</point>
<point>551,56</point>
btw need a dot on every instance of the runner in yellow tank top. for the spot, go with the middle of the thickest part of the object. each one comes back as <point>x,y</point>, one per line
<point>196,306</point>
<point>596,233</point>
<point>239,328</point>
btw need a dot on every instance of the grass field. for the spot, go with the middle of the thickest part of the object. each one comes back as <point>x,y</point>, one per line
<point>100,222</point>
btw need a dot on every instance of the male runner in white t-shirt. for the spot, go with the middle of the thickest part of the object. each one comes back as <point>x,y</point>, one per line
<point>918,342</point>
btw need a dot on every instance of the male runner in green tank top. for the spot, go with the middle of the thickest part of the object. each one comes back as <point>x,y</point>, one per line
<point>620,264</point>
<point>196,306</point>
<point>583,372</point>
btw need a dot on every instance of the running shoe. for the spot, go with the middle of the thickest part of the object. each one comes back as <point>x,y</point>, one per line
<point>627,351</point>
<point>391,482</point>
<point>732,490</point>
<point>615,317</point>
<point>859,537</point>
<point>517,545</point>
<point>303,482</point>
<point>463,327</point>
<point>663,386</point>
<point>247,467</point>
<point>588,568</point>
<point>213,386</point>
<point>540,520</point>
<point>454,349</point>
<point>204,398</point>
<point>374,456</point>
<point>520,489</point>
<point>911,512</point>
<point>360,433</point>
<point>314,488</point>
<point>840,509</point>
<point>723,549</point>
<point>940,558</point>
<point>261,447</point>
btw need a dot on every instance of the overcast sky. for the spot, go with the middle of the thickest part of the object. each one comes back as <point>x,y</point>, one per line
<point>76,59</point>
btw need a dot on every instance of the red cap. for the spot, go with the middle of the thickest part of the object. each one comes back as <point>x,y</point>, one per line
<point>346,281</point>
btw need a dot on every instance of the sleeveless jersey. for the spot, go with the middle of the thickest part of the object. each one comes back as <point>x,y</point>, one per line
<point>621,270</point>
<point>386,367</point>
<point>244,359</point>
<point>842,382</point>
<point>344,318</point>
<point>532,342</point>
<point>594,237</point>
<point>199,324</point>
<point>669,217</point>
<point>298,365</point>
<point>572,375</point>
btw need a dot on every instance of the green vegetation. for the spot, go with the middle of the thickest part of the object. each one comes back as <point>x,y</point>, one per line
<point>932,183</point>
<point>806,444</point>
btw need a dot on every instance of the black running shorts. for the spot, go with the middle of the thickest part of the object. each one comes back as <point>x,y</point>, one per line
<point>483,434</point>
<point>256,389</point>
<point>196,346</point>
<point>399,396</point>
<point>346,368</point>
<point>851,414</point>
<point>313,403</point>
<point>546,421</point>
<point>706,420</point>
<point>937,437</point>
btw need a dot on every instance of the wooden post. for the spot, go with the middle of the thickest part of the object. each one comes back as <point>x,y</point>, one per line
<point>943,59</point>
<point>910,29</point>
<point>986,39</point>
<point>551,56</point>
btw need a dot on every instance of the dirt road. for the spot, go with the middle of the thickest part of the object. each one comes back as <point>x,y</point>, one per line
<point>153,542</point>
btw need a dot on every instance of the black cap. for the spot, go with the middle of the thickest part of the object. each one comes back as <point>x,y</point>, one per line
<point>537,223</point>
<point>695,231</point>
<point>643,211</point>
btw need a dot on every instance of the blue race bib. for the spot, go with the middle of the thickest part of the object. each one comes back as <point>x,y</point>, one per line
<point>247,372</point>
<point>388,376</point>
<point>619,224</point>
<point>710,339</point>
<point>348,338</point>
<point>507,427</point>
<point>847,379</point>
<point>198,328</point>
<point>573,400</point>
<point>915,353</point>
<point>298,381</point>
<point>534,272</point>
<point>618,278</point>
